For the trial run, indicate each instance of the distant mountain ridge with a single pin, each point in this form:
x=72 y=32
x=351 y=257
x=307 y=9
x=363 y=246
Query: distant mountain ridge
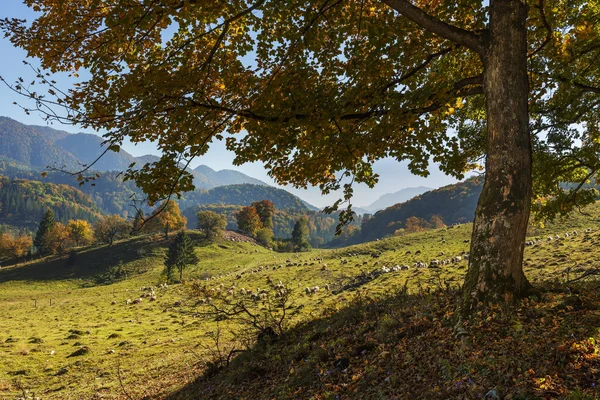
x=390 y=199
x=42 y=147
x=225 y=177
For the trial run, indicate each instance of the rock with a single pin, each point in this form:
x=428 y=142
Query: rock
x=62 y=371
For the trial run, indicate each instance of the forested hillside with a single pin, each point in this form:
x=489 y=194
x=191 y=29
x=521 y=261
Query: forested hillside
x=23 y=203
x=29 y=146
x=454 y=204
x=245 y=194
x=87 y=148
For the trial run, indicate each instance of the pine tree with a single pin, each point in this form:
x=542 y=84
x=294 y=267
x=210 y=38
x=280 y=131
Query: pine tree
x=180 y=254
x=46 y=224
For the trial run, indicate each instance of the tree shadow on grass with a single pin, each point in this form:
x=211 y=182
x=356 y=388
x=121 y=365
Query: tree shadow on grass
x=86 y=263
x=92 y=262
x=403 y=347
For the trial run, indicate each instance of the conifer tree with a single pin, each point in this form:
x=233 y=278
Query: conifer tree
x=300 y=235
x=46 y=224
x=180 y=254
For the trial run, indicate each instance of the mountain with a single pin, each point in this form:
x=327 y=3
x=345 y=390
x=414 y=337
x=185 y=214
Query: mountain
x=31 y=146
x=147 y=159
x=453 y=203
x=388 y=200
x=42 y=146
x=211 y=178
x=87 y=148
x=245 y=194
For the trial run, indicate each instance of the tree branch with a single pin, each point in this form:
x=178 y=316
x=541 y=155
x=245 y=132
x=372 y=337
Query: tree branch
x=440 y=28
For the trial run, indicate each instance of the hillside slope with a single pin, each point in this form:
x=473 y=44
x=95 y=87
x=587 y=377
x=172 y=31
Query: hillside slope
x=33 y=147
x=245 y=194
x=87 y=148
x=23 y=203
x=453 y=203
x=373 y=335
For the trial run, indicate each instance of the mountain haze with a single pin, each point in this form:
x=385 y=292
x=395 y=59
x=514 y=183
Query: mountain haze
x=389 y=199
x=41 y=146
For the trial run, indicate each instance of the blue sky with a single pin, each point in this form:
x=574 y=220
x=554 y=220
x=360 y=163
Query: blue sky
x=394 y=175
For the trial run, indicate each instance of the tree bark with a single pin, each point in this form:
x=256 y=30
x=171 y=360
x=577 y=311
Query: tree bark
x=495 y=272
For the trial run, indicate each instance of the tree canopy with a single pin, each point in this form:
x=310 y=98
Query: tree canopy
x=319 y=90
x=211 y=223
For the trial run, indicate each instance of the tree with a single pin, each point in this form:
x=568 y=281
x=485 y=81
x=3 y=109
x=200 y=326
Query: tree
x=80 y=232
x=414 y=224
x=264 y=236
x=340 y=84
x=211 y=223
x=248 y=220
x=436 y=222
x=300 y=235
x=46 y=224
x=57 y=239
x=167 y=218
x=15 y=247
x=265 y=210
x=111 y=228
x=138 y=222
x=180 y=254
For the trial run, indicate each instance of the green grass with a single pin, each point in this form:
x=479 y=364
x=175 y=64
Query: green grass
x=158 y=346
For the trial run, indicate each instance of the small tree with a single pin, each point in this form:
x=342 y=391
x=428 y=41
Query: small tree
x=180 y=254
x=211 y=223
x=436 y=222
x=415 y=224
x=137 y=223
x=300 y=235
x=14 y=246
x=248 y=220
x=57 y=239
x=264 y=236
x=46 y=224
x=111 y=228
x=167 y=218
x=81 y=232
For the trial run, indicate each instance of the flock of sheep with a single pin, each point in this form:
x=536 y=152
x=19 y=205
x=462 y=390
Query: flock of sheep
x=280 y=289
x=556 y=237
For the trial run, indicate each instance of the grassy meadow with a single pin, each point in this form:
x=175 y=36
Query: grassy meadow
x=66 y=331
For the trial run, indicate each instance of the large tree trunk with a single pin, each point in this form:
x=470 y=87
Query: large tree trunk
x=495 y=272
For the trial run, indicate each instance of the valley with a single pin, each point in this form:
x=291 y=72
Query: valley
x=155 y=348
